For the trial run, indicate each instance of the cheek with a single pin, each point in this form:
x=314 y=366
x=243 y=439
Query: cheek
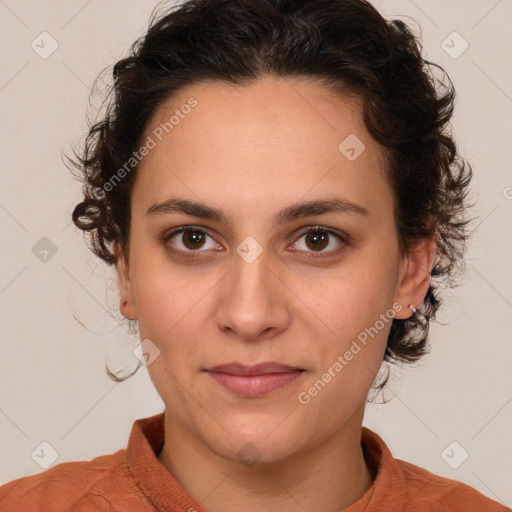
x=170 y=314
x=356 y=304
x=353 y=297
x=349 y=360
x=173 y=305
x=162 y=292
x=167 y=310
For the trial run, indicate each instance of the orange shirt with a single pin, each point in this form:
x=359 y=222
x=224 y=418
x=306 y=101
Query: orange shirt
x=133 y=480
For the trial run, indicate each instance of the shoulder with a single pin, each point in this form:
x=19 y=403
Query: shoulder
x=76 y=486
x=442 y=494
x=404 y=487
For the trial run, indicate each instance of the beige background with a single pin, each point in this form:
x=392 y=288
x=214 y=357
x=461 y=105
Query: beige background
x=53 y=386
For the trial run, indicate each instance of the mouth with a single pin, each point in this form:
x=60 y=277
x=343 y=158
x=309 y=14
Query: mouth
x=254 y=381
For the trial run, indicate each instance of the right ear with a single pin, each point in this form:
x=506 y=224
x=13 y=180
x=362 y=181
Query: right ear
x=126 y=302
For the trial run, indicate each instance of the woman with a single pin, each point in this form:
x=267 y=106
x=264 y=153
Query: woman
x=275 y=185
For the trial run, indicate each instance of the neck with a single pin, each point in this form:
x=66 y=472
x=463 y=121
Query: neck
x=329 y=477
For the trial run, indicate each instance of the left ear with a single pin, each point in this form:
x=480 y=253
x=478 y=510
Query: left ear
x=415 y=275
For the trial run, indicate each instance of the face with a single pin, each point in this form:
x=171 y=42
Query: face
x=256 y=275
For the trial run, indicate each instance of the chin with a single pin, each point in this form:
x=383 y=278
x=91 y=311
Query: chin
x=254 y=442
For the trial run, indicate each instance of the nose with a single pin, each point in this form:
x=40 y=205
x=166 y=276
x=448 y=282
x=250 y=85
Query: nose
x=254 y=304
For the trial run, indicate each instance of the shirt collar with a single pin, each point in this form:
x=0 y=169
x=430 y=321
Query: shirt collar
x=166 y=493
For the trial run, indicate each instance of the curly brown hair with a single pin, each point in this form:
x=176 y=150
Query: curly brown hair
x=348 y=46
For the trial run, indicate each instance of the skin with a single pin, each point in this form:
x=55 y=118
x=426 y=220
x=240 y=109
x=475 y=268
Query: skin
x=252 y=151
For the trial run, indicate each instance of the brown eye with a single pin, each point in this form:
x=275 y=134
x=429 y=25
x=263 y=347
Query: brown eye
x=320 y=240
x=193 y=239
x=317 y=240
x=190 y=240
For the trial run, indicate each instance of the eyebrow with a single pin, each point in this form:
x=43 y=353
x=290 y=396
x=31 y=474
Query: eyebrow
x=288 y=214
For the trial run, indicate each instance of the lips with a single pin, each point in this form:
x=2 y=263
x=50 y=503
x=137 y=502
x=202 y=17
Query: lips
x=256 y=380
x=257 y=369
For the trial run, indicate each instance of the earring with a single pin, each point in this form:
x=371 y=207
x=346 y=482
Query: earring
x=412 y=308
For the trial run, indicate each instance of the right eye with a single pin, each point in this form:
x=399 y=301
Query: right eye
x=189 y=239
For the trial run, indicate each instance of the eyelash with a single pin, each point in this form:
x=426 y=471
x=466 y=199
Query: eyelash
x=344 y=239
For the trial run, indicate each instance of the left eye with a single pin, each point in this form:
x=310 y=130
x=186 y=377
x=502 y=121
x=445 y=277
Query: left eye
x=319 y=239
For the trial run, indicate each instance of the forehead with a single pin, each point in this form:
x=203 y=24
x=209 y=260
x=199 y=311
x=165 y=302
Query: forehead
x=266 y=108
x=270 y=140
